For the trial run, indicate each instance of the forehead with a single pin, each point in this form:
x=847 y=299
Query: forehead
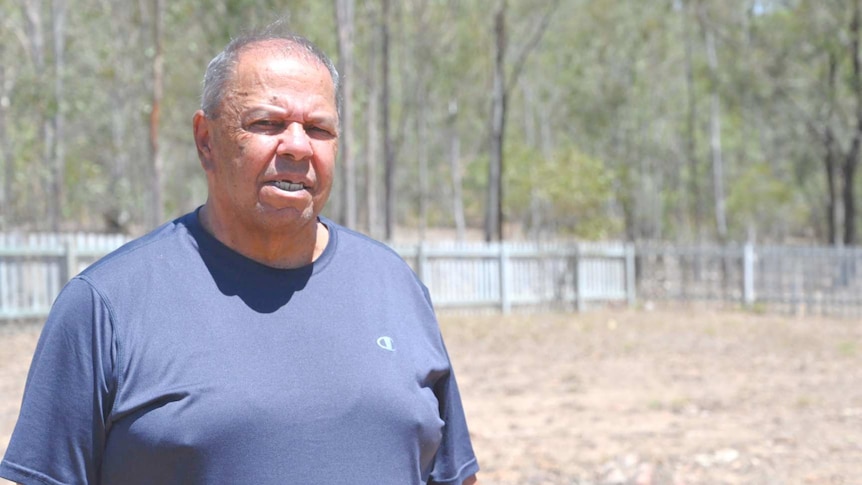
x=273 y=69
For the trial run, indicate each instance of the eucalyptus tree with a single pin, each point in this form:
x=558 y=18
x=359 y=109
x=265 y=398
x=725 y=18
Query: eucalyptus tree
x=818 y=79
x=587 y=117
x=8 y=77
x=157 y=209
x=345 y=14
x=503 y=81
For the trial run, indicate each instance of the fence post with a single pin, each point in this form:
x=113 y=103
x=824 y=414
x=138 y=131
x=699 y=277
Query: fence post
x=505 y=297
x=748 y=295
x=71 y=259
x=579 y=282
x=631 y=286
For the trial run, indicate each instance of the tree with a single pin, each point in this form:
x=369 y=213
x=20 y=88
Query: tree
x=851 y=159
x=715 y=146
x=35 y=38
x=829 y=67
x=58 y=150
x=691 y=152
x=157 y=210
x=388 y=149
x=7 y=81
x=373 y=114
x=756 y=101
x=494 y=202
x=501 y=85
x=455 y=163
x=344 y=13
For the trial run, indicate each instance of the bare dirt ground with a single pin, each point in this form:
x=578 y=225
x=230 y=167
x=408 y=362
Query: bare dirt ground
x=635 y=397
x=682 y=397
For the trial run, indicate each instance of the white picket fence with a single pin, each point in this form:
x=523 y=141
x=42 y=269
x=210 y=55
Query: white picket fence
x=518 y=275
x=523 y=276
x=34 y=267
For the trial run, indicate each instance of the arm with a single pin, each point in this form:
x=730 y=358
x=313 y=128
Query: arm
x=60 y=431
x=471 y=480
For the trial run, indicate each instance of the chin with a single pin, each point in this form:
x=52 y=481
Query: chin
x=288 y=217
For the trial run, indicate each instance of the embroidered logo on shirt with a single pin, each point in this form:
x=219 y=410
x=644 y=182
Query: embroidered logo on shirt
x=386 y=343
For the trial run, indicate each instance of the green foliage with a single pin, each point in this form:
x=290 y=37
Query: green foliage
x=756 y=196
x=572 y=189
x=606 y=135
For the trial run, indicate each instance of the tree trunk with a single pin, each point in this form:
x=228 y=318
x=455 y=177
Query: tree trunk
x=58 y=122
x=36 y=47
x=494 y=215
x=388 y=154
x=833 y=217
x=750 y=109
x=532 y=221
x=344 y=21
x=455 y=162
x=715 y=139
x=849 y=196
x=114 y=211
x=421 y=76
x=422 y=158
x=494 y=207
x=691 y=129
x=158 y=83
x=6 y=167
x=372 y=142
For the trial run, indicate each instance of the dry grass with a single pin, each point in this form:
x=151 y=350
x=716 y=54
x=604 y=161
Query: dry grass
x=682 y=397
x=635 y=397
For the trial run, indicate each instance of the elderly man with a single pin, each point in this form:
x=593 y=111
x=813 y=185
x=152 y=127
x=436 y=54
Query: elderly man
x=251 y=341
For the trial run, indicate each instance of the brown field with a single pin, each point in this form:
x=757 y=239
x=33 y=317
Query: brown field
x=636 y=397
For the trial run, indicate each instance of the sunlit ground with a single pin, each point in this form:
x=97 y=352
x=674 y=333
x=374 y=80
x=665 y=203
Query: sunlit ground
x=664 y=397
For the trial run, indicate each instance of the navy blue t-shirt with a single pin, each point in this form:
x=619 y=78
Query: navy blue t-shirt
x=176 y=360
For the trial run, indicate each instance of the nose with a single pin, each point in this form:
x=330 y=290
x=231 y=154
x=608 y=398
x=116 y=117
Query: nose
x=295 y=142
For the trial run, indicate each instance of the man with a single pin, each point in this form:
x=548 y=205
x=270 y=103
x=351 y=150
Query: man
x=251 y=341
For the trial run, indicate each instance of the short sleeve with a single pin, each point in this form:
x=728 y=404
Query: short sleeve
x=455 y=460
x=61 y=430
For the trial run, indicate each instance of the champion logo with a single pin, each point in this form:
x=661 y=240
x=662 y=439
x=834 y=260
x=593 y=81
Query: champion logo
x=386 y=343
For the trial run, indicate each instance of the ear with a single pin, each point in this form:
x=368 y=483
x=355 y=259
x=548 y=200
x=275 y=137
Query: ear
x=203 y=139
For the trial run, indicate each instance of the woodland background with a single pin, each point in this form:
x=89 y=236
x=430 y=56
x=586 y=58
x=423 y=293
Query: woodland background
x=687 y=120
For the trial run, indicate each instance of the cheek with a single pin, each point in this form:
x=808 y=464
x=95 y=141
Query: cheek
x=326 y=161
x=252 y=154
x=244 y=143
x=325 y=176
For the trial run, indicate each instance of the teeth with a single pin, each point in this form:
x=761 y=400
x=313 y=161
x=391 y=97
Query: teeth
x=288 y=186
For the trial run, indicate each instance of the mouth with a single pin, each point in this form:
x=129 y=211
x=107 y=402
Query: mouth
x=287 y=185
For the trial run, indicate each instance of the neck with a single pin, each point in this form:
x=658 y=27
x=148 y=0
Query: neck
x=285 y=249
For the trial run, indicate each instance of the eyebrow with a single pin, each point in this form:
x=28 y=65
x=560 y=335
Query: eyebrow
x=267 y=109
x=319 y=116
x=322 y=118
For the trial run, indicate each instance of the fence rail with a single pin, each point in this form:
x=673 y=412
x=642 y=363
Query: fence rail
x=804 y=280
x=509 y=276
x=34 y=267
x=523 y=275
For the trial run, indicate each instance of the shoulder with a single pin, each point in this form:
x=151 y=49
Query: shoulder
x=367 y=259
x=356 y=243
x=144 y=253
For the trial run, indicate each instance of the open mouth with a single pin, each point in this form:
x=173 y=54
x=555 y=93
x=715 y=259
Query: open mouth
x=287 y=185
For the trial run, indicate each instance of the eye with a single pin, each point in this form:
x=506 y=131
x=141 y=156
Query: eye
x=317 y=131
x=265 y=125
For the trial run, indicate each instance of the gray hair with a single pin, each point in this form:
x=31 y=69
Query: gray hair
x=223 y=66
